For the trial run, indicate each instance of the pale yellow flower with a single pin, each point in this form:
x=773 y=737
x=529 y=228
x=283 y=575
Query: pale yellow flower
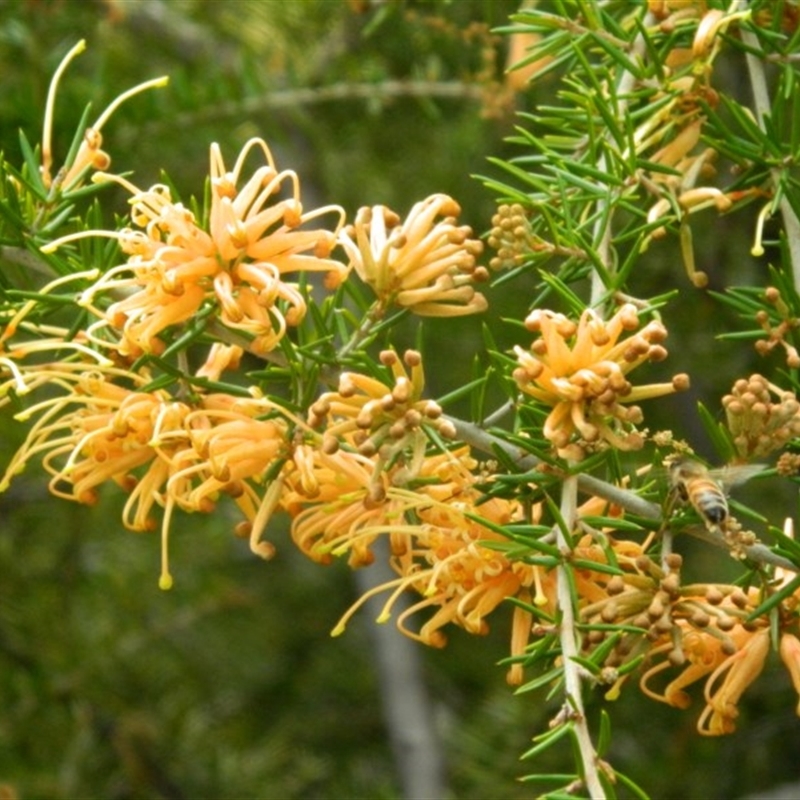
x=425 y=263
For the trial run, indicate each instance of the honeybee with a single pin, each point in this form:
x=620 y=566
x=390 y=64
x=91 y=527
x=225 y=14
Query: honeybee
x=704 y=489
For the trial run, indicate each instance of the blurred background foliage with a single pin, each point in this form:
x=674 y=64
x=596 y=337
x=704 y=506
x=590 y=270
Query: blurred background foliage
x=229 y=685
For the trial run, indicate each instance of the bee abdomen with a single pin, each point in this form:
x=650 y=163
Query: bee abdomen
x=712 y=506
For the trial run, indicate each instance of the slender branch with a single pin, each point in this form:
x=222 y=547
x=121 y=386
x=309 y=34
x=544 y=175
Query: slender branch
x=293 y=98
x=603 y=228
x=488 y=443
x=568 y=636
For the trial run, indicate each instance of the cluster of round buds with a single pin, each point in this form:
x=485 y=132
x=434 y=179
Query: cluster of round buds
x=759 y=422
x=776 y=334
x=514 y=240
x=580 y=371
x=642 y=598
x=510 y=236
x=372 y=416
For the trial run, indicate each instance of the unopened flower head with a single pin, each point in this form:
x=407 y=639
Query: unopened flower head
x=581 y=371
x=425 y=263
x=379 y=417
x=780 y=332
x=761 y=417
x=176 y=266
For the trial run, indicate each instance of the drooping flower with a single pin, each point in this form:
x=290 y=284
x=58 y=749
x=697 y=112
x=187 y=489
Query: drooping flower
x=581 y=371
x=425 y=263
x=336 y=499
x=728 y=682
x=439 y=551
x=163 y=452
x=790 y=655
x=445 y=539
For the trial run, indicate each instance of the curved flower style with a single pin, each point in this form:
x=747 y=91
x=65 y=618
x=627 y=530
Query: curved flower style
x=445 y=539
x=165 y=453
x=581 y=372
x=237 y=261
x=422 y=264
x=89 y=155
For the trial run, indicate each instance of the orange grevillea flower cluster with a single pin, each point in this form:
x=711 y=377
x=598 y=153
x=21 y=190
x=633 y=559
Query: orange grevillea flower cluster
x=425 y=263
x=374 y=436
x=256 y=233
x=444 y=541
x=372 y=476
x=581 y=371
x=704 y=632
x=163 y=452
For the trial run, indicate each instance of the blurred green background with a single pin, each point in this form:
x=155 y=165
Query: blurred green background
x=230 y=685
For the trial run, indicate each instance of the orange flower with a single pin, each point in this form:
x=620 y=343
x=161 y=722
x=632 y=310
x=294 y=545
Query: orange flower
x=422 y=264
x=704 y=631
x=164 y=453
x=581 y=372
x=440 y=549
x=790 y=655
x=737 y=672
x=237 y=262
x=336 y=499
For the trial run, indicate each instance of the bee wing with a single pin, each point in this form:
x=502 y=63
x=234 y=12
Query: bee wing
x=736 y=474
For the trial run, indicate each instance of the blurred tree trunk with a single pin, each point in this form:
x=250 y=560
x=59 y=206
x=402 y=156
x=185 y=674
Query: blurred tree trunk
x=407 y=707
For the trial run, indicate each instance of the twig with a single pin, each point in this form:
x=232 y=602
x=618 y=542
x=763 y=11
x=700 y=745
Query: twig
x=488 y=443
x=568 y=636
x=294 y=98
x=602 y=228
